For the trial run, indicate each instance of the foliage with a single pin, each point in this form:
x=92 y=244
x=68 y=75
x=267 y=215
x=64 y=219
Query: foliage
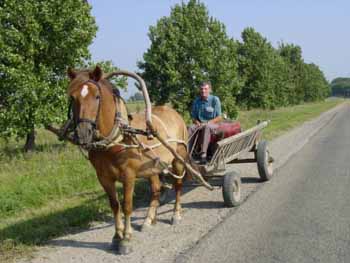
x=38 y=39
x=292 y=55
x=341 y=87
x=107 y=66
x=189 y=47
x=315 y=85
x=276 y=77
x=256 y=60
x=138 y=96
x=41 y=199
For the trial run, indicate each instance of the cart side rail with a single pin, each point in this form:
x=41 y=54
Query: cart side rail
x=230 y=148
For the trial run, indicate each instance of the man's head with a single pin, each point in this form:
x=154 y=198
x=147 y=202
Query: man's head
x=205 y=89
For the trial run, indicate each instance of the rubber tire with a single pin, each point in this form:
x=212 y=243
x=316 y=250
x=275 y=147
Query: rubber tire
x=231 y=194
x=262 y=158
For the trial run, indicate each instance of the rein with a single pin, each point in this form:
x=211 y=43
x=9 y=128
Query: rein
x=68 y=130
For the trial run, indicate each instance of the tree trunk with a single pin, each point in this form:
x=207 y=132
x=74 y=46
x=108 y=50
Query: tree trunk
x=30 y=141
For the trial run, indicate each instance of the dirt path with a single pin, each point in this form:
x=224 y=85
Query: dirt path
x=202 y=211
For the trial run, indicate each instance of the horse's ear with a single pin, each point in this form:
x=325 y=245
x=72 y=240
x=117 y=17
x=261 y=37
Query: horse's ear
x=96 y=75
x=71 y=73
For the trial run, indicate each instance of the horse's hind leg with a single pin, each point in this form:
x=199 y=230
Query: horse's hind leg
x=109 y=187
x=152 y=211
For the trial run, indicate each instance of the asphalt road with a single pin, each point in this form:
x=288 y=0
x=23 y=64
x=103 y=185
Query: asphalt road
x=301 y=215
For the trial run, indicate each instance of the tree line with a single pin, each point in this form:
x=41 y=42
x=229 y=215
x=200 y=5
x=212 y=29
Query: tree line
x=341 y=87
x=189 y=46
x=39 y=39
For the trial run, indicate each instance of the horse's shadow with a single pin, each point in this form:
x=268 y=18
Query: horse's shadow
x=104 y=246
x=39 y=230
x=26 y=232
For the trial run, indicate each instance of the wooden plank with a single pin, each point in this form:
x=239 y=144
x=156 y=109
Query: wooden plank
x=258 y=127
x=230 y=148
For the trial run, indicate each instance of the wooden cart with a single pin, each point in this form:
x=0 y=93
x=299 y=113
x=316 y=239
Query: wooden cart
x=235 y=150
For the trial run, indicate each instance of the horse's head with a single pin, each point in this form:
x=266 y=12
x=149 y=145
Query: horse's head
x=96 y=107
x=85 y=93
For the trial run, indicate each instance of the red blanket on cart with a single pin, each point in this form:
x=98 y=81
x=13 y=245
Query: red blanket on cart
x=226 y=129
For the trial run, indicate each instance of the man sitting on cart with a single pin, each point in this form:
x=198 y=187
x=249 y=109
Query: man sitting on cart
x=206 y=114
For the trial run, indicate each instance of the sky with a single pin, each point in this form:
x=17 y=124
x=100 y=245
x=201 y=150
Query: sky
x=320 y=27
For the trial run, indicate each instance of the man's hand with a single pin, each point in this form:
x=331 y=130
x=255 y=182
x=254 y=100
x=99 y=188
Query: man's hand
x=215 y=120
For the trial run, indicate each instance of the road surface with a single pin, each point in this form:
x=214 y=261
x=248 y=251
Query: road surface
x=302 y=215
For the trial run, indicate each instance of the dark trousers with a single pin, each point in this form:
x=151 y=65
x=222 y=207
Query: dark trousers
x=205 y=132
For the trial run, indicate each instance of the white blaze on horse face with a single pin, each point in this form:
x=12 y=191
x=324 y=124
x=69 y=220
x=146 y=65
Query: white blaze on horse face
x=84 y=91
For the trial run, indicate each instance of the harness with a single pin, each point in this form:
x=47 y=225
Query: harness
x=100 y=142
x=121 y=129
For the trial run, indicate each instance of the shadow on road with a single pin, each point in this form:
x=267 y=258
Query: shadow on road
x=105 y=246
x=204 y=205
x=250 y=180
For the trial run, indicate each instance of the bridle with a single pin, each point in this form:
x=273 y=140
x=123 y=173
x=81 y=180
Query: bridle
x=79 y=120
x=99 y=141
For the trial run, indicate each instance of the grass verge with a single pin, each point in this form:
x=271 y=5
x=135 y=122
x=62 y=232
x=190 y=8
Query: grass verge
x=54 y=190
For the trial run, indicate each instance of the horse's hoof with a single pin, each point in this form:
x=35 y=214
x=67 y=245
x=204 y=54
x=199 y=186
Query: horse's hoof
x=124 y=248
x=175 y=221
x=115 y=243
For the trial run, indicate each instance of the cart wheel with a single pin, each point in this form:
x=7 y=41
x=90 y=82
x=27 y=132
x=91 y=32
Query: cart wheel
x=231 y=189
x=264 y=161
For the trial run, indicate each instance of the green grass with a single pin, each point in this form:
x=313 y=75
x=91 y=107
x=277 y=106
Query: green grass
x=135 y=106
x=284 y=119
x=54 y=190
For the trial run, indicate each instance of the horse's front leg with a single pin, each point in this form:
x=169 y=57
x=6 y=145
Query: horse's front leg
x=128 y=187
x=109 y=186
x=152 y=211
x=179 y=169
x=177 y=208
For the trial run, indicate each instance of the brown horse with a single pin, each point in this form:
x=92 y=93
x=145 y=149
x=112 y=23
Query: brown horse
x=95 y=108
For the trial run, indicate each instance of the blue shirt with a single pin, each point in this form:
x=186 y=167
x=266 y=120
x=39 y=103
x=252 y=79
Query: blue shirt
x=206 y=110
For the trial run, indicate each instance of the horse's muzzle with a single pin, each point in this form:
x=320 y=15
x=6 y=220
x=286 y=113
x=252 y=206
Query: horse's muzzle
x=84 y=133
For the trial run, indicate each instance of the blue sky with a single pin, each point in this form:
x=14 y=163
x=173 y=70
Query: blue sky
x=320 y=27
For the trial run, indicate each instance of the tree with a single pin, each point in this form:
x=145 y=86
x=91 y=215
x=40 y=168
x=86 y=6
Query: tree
x=138 y=96
x=256 y=67
x=107 y=66
x=308 y=81
x=292 y=54
x=189 y=47
x=316 y=86
x=341 y=87
x=39 y=39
